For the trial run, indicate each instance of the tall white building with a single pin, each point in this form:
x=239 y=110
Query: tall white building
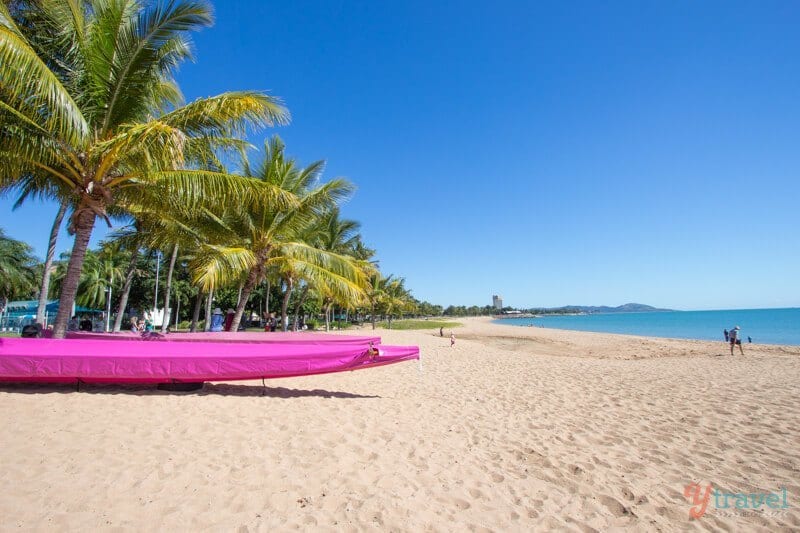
x=497 y=302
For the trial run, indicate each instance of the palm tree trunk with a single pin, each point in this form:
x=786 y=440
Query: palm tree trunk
x=327 y=317
x=165 y=322
x=84 y=224
x=244 y=295
x=285 y=304
x=126 y=289
x=44 y=290
x=266 y=302
x=209 y=302
x=198 y=303
x=372 y=315
x=299 y=306
x=177 y=312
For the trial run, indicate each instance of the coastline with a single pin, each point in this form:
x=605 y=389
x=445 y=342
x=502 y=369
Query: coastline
x=776 y=327
x=511 y=429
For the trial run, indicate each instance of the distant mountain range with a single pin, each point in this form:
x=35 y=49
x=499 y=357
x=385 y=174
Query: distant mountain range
x=626 y=308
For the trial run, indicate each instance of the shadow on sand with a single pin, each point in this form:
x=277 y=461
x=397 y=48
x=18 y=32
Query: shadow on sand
x=208 y=389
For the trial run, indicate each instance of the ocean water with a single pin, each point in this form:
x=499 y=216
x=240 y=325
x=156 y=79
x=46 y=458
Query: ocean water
x=764 y=326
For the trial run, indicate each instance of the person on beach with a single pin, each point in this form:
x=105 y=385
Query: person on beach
x=725 y=332
x=216 y=320
x=441 y=332
x=229 y=314
x=452 y=339
x=735 y=340
x=134 y=324
x=749 y=340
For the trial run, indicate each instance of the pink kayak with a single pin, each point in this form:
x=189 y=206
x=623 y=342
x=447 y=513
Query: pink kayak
x=133 y=361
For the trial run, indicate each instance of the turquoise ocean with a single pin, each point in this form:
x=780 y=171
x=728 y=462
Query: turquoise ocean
x=764 y=326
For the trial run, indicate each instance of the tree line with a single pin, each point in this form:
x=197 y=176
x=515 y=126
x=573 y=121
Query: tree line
x=91 y=116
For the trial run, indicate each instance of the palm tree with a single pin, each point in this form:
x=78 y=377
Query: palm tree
x=128 y=238
x=336 y=235
x=395 y=298
x=262 y=239
x=101 y=269
x=388 y=295
x=103 y=117
x=17 y=269
x=37 y=186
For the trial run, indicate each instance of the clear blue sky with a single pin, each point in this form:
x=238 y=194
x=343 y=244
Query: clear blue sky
x=553 y=153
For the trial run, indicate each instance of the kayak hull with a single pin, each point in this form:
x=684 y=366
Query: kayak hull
x=134 y=361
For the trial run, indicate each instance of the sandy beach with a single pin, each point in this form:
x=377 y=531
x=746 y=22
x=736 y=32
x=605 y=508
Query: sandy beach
x=513 y=429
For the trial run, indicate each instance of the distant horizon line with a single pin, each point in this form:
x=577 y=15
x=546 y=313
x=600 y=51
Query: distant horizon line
x=671 y=309
x=614 y=306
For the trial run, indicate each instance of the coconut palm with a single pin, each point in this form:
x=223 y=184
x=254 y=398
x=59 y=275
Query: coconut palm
x=336 y=235
x=38 y=187
x=129 y=239
x=89 y=100
x=260 y=240
x=388 y=296
x=393 y=297
x=100 y=271
x=18 y=268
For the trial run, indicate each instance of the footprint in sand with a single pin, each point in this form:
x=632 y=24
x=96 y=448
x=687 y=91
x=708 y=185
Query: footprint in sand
x=462 y=504
x=616 y=507
x=477 y=494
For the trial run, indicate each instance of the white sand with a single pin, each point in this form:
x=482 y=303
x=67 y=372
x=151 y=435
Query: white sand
x=512 y=429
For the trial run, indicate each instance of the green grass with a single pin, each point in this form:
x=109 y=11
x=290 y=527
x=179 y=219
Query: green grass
x=9 y=334
x=419 y=324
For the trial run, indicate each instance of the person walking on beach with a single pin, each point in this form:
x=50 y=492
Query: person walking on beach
x=441 y=331
x=452 y=339
x=735 y=340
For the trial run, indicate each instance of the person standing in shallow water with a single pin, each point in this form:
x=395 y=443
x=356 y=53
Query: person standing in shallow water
x=735 y=340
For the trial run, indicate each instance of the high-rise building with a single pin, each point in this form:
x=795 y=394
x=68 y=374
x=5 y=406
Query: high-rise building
x=497 y=302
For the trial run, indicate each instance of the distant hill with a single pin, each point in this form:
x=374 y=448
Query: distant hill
x=626 y=308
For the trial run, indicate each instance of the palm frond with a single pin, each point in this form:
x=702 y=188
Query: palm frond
x=45 y=102
x=214 y=266
x=149 y=45
x=228 y=114
x=338 y=274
